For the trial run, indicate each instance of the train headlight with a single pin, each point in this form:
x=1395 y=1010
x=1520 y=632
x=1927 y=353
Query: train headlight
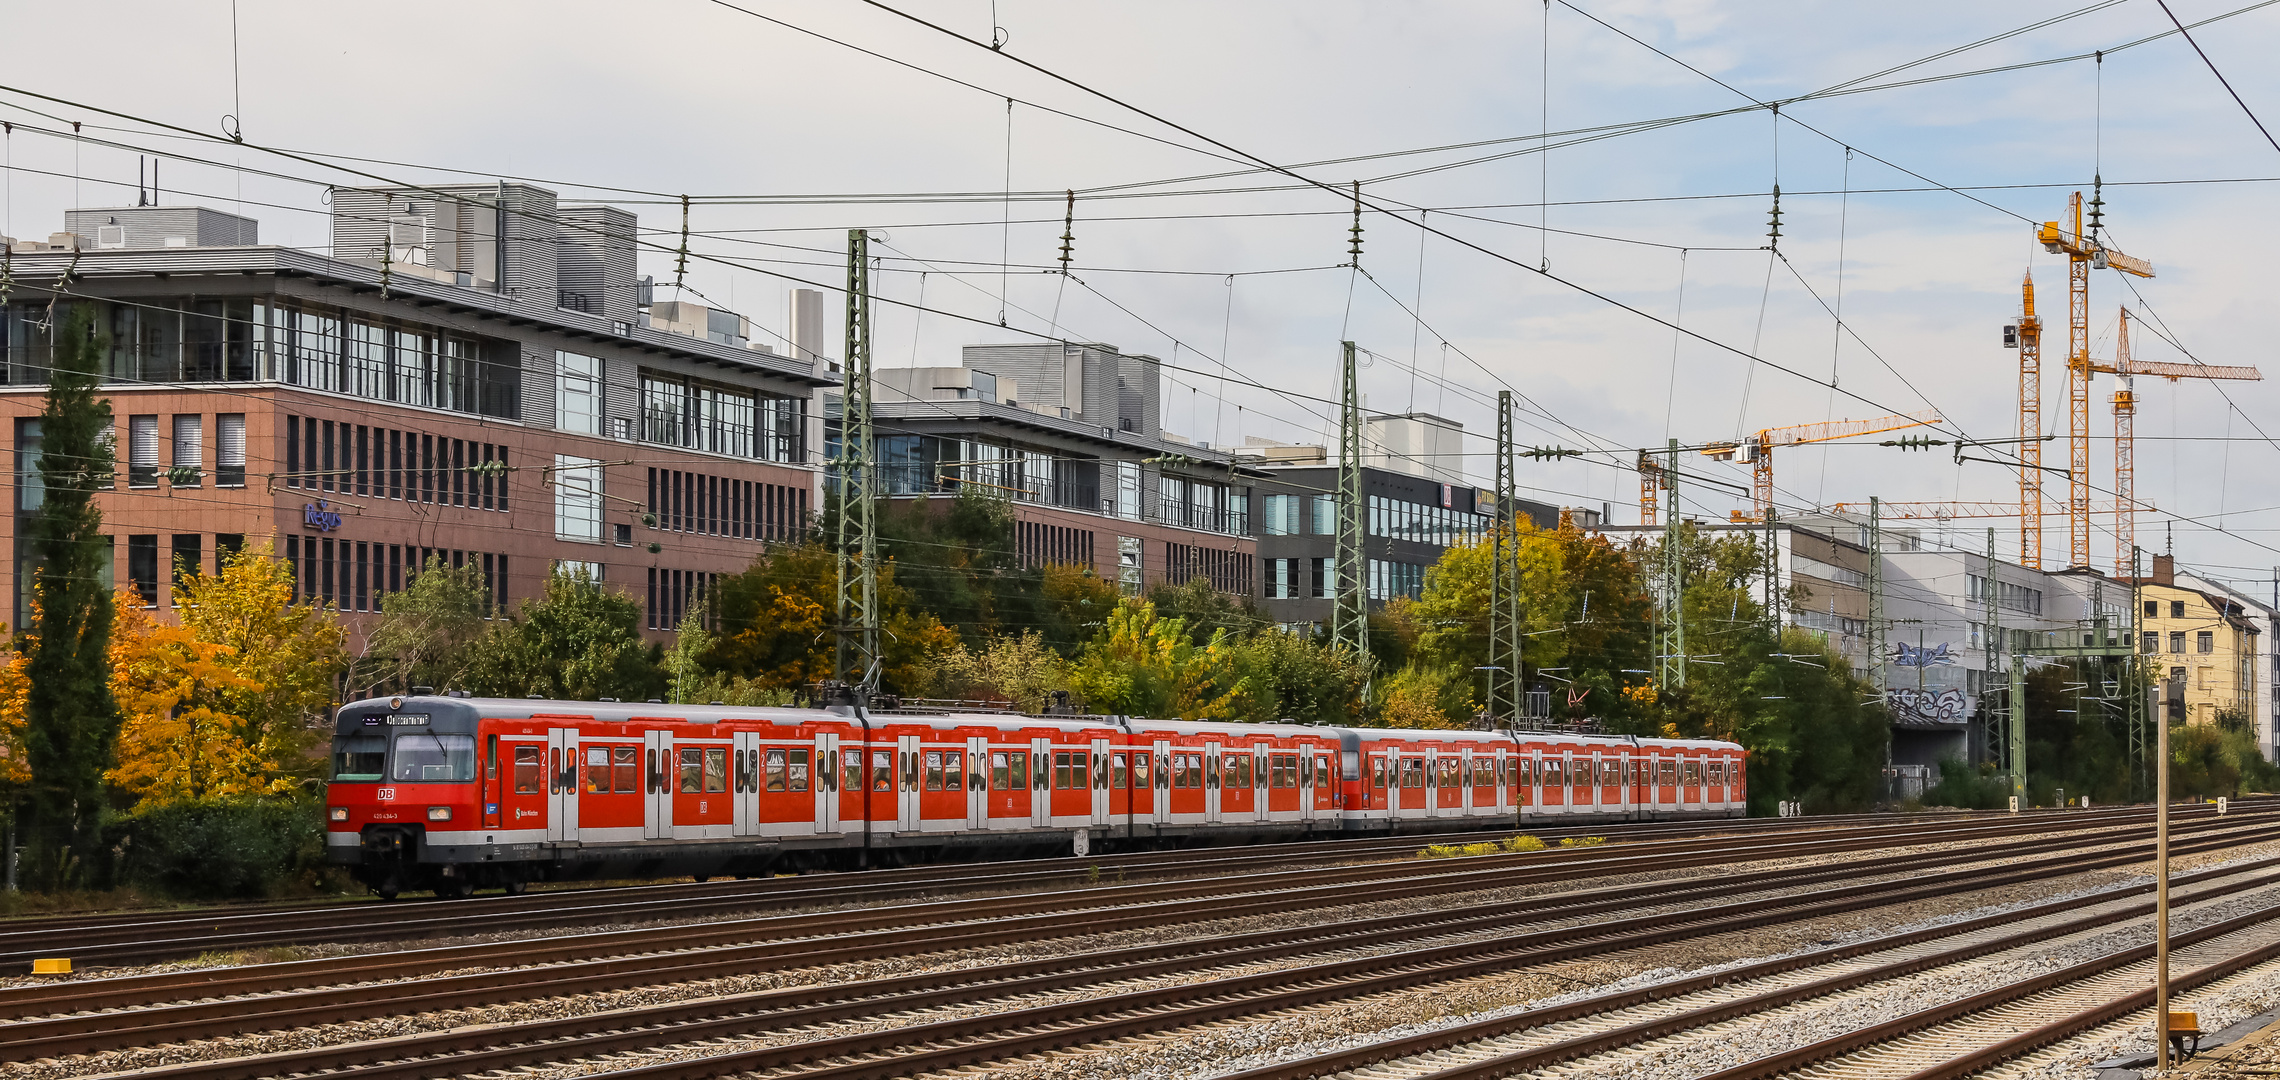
x=338 y=813
x=439 y=813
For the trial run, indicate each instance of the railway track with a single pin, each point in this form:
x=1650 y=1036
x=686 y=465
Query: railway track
x=1066 y=885
x=1435 y=947
x=19 y=936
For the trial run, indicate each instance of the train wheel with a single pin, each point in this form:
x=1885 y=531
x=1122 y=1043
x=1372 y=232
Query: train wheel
x=388 y=888
x=454 y=889
x=516 y=887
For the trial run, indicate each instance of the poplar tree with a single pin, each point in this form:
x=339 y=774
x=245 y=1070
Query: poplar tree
x=71 y=721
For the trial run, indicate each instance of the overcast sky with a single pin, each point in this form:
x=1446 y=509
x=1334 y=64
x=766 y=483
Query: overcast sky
x=642 y=103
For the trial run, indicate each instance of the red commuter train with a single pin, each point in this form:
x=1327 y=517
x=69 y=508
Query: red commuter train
x=454 y=793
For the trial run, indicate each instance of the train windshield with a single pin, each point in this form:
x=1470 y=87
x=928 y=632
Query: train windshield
x=421 y=756
x=360 y=757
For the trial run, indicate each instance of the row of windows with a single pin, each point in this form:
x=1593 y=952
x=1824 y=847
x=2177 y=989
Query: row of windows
x=2204 y=641
x=186 y=461
x=677 y=411
x=724 y=506
x=1228 y=571
x=1390 y=579
x=1035 y=544
x=354 y=575
x=1301 y=579
x=380 y=463
x=188 y=558
x=675 y=593
x=1411 y=772
x=2010 y=597
x=384 y=360
x=1422 y=523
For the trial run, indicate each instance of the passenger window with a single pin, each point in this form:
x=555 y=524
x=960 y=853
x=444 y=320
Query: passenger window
x=1377 y=770
x=1179 y=772
x=774 y=771
x=998 y=777
x=693 y=771
x=716 y=770
x=933 y=770
x=1118 y=777
x=530 y=770
x=799 y=775
x=597 y=770
x=1140 y=770
x=1243 y=771
x=851 y=774
x=1079 y=768
x=625 y=763
x=656 y=776
x=1016 y=770
x=953 y=771
x=882 y=771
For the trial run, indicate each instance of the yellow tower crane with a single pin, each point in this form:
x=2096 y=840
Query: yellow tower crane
x=1757 y=450
x=2084 y=252
x=2125 y=440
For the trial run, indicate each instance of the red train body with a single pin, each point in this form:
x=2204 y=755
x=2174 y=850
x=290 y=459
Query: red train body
x=455 y=794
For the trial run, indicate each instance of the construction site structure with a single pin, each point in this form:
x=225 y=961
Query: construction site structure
x=1651 y=483
x=1757 y=452
x=2125 y=439
x=2028 y=338
x=2084 y=252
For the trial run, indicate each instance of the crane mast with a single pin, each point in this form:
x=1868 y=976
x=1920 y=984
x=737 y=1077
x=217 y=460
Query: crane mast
x=2084 y=253
x=2030 y=429
x=2125 y=453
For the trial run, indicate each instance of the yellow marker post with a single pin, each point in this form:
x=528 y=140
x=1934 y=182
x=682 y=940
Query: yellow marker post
x=59 y=965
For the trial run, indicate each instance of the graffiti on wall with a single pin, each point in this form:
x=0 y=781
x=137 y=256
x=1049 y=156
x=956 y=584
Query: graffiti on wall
x=1922 y=656
x=1948 y=706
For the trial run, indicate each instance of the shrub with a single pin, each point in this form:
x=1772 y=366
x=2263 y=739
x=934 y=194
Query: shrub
x=1484 y=847
x=221 y=848
x=1583 y=841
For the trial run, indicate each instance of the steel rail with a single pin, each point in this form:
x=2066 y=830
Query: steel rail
x=83 y=1032
x=1030 y=1030
x=919 y=921
x=1330 y=882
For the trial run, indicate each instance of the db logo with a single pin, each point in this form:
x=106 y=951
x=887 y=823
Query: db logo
x=387 y=794
x=318 y=516
x=521 y=814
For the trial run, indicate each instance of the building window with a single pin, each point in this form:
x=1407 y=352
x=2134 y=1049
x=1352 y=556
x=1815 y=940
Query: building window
x=2177 y=642
x=1128 y=570
x=189 y=449
x=31 y=488
x=1325 y=514
x=2205 y=641
x=227 y=546
x=578 y=393
x=2152 y=642
x=577 y=499
x=229 y=450
x=1322 y=577
x=142 y=451
x=2177 y=609
x=2153 y=609
x=142 y=567
x=189 y=561
x=1127 y=490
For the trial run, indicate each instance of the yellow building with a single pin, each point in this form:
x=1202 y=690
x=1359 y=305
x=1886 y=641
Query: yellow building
x=2202 y=648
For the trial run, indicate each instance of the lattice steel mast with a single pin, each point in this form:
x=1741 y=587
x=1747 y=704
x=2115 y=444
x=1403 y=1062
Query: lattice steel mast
x=1504 y=640
x=855 y=660
x=1350 y=624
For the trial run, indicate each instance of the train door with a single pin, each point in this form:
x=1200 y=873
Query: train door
x=906 y=783
x=1040 y=783
x=657 y=785
x=1503 y=767
x=562 y=787
x=744 y=777
x=849 y=790
x=825 y=782
x=977 y=782
x=1308 y=776
x=1163 y=781
x=1099 y=779
x=1211 y=790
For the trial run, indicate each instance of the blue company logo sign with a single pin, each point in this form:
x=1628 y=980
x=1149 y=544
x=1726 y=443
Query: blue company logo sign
x=318 y=516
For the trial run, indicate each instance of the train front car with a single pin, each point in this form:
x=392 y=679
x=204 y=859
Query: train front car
x=404 y=808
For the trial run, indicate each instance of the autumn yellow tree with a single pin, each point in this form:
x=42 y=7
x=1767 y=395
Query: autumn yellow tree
x=1146 y=666
x=287 y=655
x=176 y=744
x=15 y=693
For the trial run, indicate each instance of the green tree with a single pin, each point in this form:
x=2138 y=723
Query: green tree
x=426 y=634
x=1298 y=677
x=1141 y=665
x=579 y=642
x=775 y=625
x=71 y=721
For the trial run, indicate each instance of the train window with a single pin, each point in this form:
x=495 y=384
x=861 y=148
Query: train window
x=1016 y=770
x=998 y=776
x=693 y=769
x=882 y=771
x=530 y=765
x=436 y=758
x=656 y=775
x=774 y=772
x=953 y=772
x=1061 y=770
x=1243 y=771
x=1226 y=773
x=625 y=763
x=1666 y=772
x=597 y=770
x=1693 y=772
x=1180 y=771
x=1351 y=763
x=851 y=770
x=1140 y=770
x=1412 y=772
x=716 y=770
x=1377 y=769
x=799 y=771
x=1555 y=772
x=1451 y=772
x=1119 y=775
x=1079 y=766
x=362 y=756
x=934 y=770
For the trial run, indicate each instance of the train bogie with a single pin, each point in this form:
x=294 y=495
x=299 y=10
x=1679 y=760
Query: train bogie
x=455 y=794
